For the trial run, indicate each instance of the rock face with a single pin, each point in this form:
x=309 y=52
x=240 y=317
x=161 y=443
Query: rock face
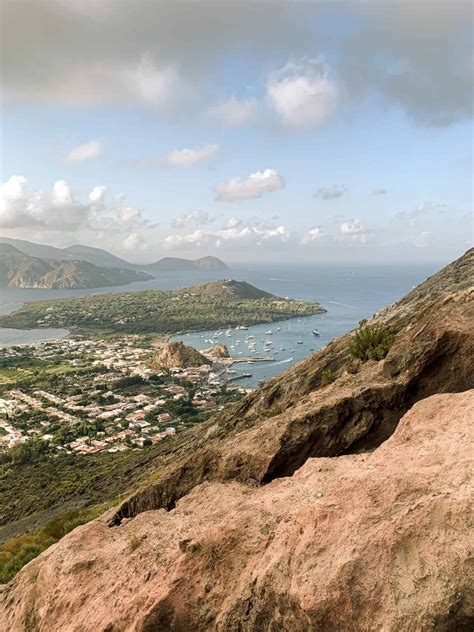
x=376 y=541
x=218 y=352
x=178 y=355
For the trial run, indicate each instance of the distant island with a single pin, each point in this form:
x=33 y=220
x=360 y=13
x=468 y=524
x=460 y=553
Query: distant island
x=21 y=270
x=175 y=264
x=103 y=258
x=218 y=304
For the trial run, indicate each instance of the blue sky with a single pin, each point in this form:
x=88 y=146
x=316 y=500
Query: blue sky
x=354 y=120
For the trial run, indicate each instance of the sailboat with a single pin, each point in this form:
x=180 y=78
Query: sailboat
x=316 y=332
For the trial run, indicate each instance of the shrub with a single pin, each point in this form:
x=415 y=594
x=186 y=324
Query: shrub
x=134 y=542
x=371 y=342
x=213 y=548
x=328 y=377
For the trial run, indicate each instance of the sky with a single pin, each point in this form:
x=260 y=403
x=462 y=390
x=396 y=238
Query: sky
x=253 y=131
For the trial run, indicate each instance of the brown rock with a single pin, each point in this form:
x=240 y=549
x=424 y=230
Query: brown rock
x=217 y=352
x=178 y=355
x=361 y=542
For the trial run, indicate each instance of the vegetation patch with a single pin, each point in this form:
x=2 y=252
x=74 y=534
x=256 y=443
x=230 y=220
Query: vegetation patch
x=218 y=304
x=328 y=377
x=371 y=342
x=212 y=549
x=17 y=552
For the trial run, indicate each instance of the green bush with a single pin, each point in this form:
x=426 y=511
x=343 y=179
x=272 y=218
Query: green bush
x=371 y=342
x=328 y=377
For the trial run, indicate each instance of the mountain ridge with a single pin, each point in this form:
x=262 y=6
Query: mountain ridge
x=20 y=270
x=101 y=257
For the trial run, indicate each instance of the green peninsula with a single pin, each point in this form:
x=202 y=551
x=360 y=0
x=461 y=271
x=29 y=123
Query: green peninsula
x=217 y=304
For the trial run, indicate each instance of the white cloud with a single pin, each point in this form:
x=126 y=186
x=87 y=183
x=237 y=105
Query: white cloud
x=60 y=210
x=331 y=192
x=190 y=157
x=354 y=230
x=86 y=151
x=158 y=87
x=311 y=235
x=353 y=227
x=254 y=186
x=193 y=218
x=421 y=210
x=236 y=232
x=302 y=93
x=135 y=242
x=235 y=112
x=97 y=195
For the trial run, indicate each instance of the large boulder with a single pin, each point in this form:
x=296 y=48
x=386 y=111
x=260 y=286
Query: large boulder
x=375 y=541
x=218 y=352
x=178 y=355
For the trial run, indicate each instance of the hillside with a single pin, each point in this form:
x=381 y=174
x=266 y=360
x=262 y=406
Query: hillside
x=23 y=271
x=101 y=257
x=290 y=509
x=216 y=304
x=365 y=542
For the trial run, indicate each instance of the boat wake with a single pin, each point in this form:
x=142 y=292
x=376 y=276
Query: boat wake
x=343 y=304
x=282 y=362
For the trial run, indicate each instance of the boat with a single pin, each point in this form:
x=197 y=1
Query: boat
x=240 y=376
x=316 y=332
x=299 y=342
x=269 y=333
x=278 y=328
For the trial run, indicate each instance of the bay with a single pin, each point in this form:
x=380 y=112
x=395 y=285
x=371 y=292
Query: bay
x=349 y=292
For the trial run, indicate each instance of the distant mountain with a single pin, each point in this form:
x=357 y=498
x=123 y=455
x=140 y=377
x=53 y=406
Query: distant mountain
x=36 y=250
x=176 y=264
x=97 y=256
x=100 y=257
x=18 y=269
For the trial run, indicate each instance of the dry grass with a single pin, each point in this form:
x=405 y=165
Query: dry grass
x=134 y=542
x=213 y=548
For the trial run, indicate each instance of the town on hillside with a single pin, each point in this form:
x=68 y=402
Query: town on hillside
x=87 y=396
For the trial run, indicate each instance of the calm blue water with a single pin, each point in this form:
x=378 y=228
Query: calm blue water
x=349 y=293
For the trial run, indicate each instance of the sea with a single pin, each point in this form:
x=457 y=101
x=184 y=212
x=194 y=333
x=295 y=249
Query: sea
x=349 y=293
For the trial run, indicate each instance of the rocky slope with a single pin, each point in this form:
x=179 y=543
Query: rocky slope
x=370 y=540
x=374 y=541
x=178 y=355
x=298 y=415
x=18 y=269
